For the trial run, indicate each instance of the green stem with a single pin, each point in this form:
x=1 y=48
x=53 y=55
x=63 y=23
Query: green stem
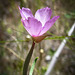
x=26 y=63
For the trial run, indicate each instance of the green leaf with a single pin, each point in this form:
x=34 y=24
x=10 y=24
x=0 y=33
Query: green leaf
x=32 y=67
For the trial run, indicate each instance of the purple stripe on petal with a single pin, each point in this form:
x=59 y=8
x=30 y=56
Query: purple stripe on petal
x=49 y=24
x=43 y=15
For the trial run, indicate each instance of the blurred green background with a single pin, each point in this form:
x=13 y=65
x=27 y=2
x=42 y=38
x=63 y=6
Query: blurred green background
x=15 y=42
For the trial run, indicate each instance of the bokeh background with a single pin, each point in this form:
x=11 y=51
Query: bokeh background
x=15 y=42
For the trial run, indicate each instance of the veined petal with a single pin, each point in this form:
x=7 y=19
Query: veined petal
x=25 y=13
x=33 y=26
x=26 y=25
x=48 y=25
x=43 y=15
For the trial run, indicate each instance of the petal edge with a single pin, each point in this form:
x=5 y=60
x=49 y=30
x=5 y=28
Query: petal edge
x=49 y=24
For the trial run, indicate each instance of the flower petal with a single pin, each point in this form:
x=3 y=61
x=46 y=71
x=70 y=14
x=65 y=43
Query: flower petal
x=25 y=12
x=33 y=26
x=26 y=26
x=48 y=25
x=43 y=15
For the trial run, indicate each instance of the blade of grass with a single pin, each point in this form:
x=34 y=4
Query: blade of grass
x=32 y=67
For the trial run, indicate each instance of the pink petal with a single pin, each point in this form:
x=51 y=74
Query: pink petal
x=43 y=15
x=49 y=24
x=33 y=26
x=25 y=12
x=26 y=26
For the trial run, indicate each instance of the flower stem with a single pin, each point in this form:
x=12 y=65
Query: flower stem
x=26 y=63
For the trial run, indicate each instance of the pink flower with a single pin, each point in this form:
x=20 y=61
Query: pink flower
x=39 y=24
